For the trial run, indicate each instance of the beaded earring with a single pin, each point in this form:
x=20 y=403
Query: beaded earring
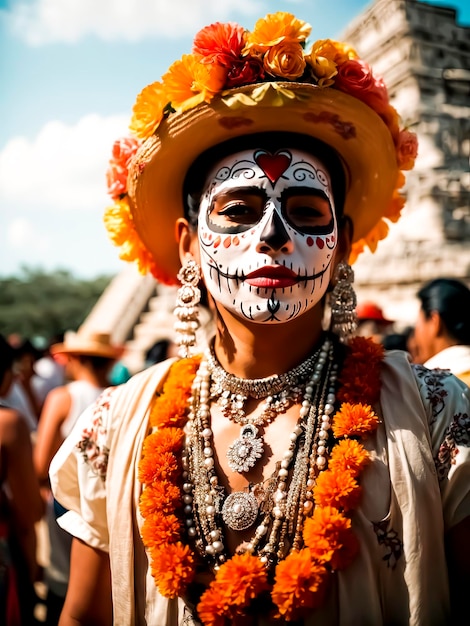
x=187 y=310
x=343 y=303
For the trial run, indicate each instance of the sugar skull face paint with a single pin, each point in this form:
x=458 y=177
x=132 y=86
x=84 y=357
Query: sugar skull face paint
x=267 y=231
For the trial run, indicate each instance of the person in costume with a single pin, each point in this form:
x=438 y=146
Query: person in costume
x=289 y=473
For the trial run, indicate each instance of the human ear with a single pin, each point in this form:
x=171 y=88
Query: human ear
x=186 y=237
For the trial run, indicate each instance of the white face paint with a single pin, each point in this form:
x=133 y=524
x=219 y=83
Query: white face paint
x=267 y=231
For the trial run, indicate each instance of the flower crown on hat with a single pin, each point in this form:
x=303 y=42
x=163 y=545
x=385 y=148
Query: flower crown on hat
x=225 y=57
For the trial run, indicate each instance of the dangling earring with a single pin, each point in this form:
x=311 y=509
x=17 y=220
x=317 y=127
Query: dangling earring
x=186 y=310
x=343 y=303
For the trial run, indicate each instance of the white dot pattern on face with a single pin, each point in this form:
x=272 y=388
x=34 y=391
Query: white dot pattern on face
x=233 y=267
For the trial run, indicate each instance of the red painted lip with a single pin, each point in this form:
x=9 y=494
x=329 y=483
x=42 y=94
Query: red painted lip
x=272 y=276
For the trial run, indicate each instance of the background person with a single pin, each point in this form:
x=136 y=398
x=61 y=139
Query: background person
x=371 y=321
x=87 y=358
x=442 y=329
x=21 y=507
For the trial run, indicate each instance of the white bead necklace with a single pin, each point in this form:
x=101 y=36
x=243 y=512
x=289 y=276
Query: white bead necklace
x=281 y=510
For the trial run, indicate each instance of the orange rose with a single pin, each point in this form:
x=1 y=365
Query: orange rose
x=407 y=149
x=274 y=29
x=355 y=78
x=285 y=60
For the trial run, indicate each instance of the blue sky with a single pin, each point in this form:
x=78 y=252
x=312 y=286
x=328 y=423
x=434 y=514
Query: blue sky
x=69 y=74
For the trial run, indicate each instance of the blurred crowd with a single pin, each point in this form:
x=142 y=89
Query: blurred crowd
x=43 y=391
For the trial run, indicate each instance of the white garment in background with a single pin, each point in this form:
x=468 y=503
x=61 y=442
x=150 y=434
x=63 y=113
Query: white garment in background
x=455 y=358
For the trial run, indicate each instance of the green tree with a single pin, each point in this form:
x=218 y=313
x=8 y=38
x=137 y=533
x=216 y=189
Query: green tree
x=37 y=303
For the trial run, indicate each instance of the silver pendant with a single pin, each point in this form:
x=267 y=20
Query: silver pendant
x=240 y=510
x=246 y=450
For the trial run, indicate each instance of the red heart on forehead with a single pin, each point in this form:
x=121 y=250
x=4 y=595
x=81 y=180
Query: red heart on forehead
x=273 y=165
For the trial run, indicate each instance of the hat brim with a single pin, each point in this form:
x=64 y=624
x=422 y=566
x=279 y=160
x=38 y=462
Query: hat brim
x=86 y=350
x=352 y=128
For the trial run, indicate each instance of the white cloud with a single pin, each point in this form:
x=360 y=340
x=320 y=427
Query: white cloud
x=21 y=233
x=63 y=168
x=45 y=21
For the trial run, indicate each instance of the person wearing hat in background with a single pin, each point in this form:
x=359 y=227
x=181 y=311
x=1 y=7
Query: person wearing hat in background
x=289 y=472
x=371 y=322
x=87 y=358
x=442 y=330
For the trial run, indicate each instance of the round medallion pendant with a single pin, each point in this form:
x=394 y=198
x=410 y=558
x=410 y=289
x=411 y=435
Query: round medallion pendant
x=246 y=450
x=240 y=510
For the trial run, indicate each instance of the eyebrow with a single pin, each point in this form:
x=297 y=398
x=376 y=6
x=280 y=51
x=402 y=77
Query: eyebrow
x=241 y=191
x=292 y=192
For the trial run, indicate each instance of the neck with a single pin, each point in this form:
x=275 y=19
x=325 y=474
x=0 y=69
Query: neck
x=250 y=350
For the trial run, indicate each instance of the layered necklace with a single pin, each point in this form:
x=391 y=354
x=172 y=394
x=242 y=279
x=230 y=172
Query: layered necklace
x=291 y=515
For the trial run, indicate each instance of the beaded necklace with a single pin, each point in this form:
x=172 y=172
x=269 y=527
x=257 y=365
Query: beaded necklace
x=303 y=531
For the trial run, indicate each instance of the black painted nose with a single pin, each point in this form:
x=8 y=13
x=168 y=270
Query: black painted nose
x=274 y=233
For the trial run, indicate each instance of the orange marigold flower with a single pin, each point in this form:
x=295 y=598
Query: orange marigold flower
x=161 y=496
x=159 y=529
x=166 y=440
x=285 y=60
x=241 y=579
x=172 y=568
x=339 y=490
x=300 y=584
x=121 y=230
x=171 y=407
x=348 y=456
x=220 y=43
x=274 y=28
x=148 y=110
x=165 y=466
x=360 y=375
x=328 y=534
x=354 y=420
x=189 y=82
x=213 y=608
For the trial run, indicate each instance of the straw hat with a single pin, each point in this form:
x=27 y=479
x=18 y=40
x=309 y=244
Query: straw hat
x=239 y=83
x=87 y=343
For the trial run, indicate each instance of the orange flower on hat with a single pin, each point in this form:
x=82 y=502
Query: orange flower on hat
x=173 y=568
x=328 y=534
x=336 y=51
x=189 y=82
x=275 y=28
x=121 y=230
x=300 y=584
x=148 y=110
x=354 y=420
x=340 y=490
x=286 y=60
x=355 y=77
x=407 y=150
x=124 y=149
x=219 y=43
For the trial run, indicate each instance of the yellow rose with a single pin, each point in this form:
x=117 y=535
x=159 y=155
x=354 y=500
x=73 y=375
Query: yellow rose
x=285 y=60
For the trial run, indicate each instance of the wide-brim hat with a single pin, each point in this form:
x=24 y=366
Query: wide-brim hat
x=87 y=343
x=353 y=129
x=325 y=92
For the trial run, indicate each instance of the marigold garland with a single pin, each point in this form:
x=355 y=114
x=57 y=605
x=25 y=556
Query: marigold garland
x=301 y=579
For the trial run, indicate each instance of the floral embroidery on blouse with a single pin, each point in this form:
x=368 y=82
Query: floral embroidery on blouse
x=436 y=394
x=458 y=434
x=92 y=444
x=391 y=542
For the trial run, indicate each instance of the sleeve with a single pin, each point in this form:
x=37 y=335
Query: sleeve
x=446 y=400
x=78 y=474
